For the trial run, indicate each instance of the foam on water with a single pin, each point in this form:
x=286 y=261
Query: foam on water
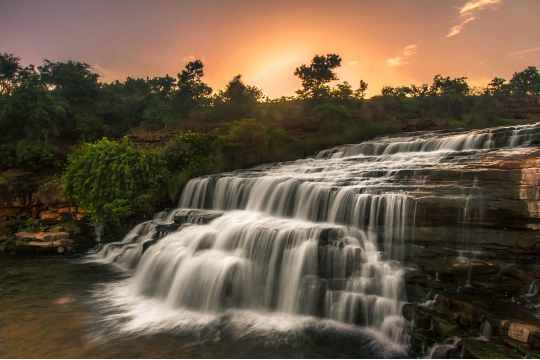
x=314 y=243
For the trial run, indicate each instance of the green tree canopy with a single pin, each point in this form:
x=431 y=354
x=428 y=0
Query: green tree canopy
x=112 y=179
x=73 y=80
x=526 y=82
x=192 y=92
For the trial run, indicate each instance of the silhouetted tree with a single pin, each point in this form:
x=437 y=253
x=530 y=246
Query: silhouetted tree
x=526 y=82
x=192 y=92
x=445 y=86
x=9 y=67
x=360 y=93
x=317 y=75
x=72 y=80
x=498 y=87
x=238 y=99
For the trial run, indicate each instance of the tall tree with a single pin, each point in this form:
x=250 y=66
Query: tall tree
x=360 y=93
x=9 y=67
x=238 y=99
x=192 y=92
x=317 y=75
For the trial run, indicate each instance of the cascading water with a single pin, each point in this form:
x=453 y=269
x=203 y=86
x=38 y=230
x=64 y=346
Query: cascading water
x=320 y=237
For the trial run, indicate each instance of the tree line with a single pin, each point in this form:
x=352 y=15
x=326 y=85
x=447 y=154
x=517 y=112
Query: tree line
x=59 y=118
x=46 y=109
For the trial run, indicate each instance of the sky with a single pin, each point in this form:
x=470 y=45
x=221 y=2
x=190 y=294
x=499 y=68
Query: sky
x=384 y=42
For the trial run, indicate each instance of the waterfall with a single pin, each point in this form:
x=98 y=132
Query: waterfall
x=322 y=237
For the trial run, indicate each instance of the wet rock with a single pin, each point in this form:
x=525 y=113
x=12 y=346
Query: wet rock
x=481 y=349
x=50 y=216
x=166 y=228
x=196 y=216
x=522 y=332
x=59 y=242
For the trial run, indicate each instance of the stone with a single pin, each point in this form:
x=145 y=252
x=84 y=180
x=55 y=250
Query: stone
x=42 y=236
x=521 y=332
x=50 y=216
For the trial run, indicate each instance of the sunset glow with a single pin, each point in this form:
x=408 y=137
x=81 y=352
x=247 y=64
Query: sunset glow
x=392 y=44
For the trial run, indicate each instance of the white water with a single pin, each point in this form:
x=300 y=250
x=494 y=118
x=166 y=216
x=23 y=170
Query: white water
x=320 y=237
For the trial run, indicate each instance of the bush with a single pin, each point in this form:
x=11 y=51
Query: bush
x=188 y=155
x=113 y=180
x=35 y=155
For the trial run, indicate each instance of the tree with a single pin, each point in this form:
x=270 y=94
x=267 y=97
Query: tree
x=31 y=111
x=237 y=100
x=343 y=92
x=317 y=75
x=398 y=91
x=498 y=87
x=420 y=91
x=73 y=80
x=9 y=67
x=446 y=86
x=163 y=86
x=526 y=82
x=112 y=179
x=192 y=92
x=360 y=93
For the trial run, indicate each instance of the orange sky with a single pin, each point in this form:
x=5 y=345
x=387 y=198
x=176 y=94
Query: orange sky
x=389 y=42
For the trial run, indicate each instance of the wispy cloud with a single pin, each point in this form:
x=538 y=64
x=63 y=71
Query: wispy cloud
x=474 y=5
x=402 y=59
x=467 y=12
x=523 y=52
x=457 y=29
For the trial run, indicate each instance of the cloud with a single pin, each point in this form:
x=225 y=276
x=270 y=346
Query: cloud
x=467 y=11
x=523 y=52
x=475 y=5
x=353 y=62
x=457 y=29
x=407 y=52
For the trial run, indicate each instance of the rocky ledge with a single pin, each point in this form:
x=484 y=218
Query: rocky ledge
x=474 y=258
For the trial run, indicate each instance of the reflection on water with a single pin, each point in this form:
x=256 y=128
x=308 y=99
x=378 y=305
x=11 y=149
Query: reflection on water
x=51 y=307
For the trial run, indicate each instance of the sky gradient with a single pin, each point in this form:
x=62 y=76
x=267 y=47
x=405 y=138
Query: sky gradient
x=392 y=42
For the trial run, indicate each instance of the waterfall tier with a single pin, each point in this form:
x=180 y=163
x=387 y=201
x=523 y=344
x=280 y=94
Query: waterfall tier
x=324 y=237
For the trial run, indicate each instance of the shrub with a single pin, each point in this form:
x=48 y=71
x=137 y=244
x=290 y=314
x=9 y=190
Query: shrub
x=35 y=155
x=190 y=154
x=113 y=180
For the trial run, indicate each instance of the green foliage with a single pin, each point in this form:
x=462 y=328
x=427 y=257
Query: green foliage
x=36 y=155
x=113 y=180
x=526 y=82
x=187 y=155
x=237 y=100
x=71 y=80
x=57 y=105
x=192 y=92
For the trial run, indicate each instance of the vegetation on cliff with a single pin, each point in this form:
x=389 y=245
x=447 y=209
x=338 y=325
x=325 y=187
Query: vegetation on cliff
x=48 y=111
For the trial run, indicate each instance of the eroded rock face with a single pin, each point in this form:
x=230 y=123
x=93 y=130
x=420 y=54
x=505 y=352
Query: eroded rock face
x=475 y=252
